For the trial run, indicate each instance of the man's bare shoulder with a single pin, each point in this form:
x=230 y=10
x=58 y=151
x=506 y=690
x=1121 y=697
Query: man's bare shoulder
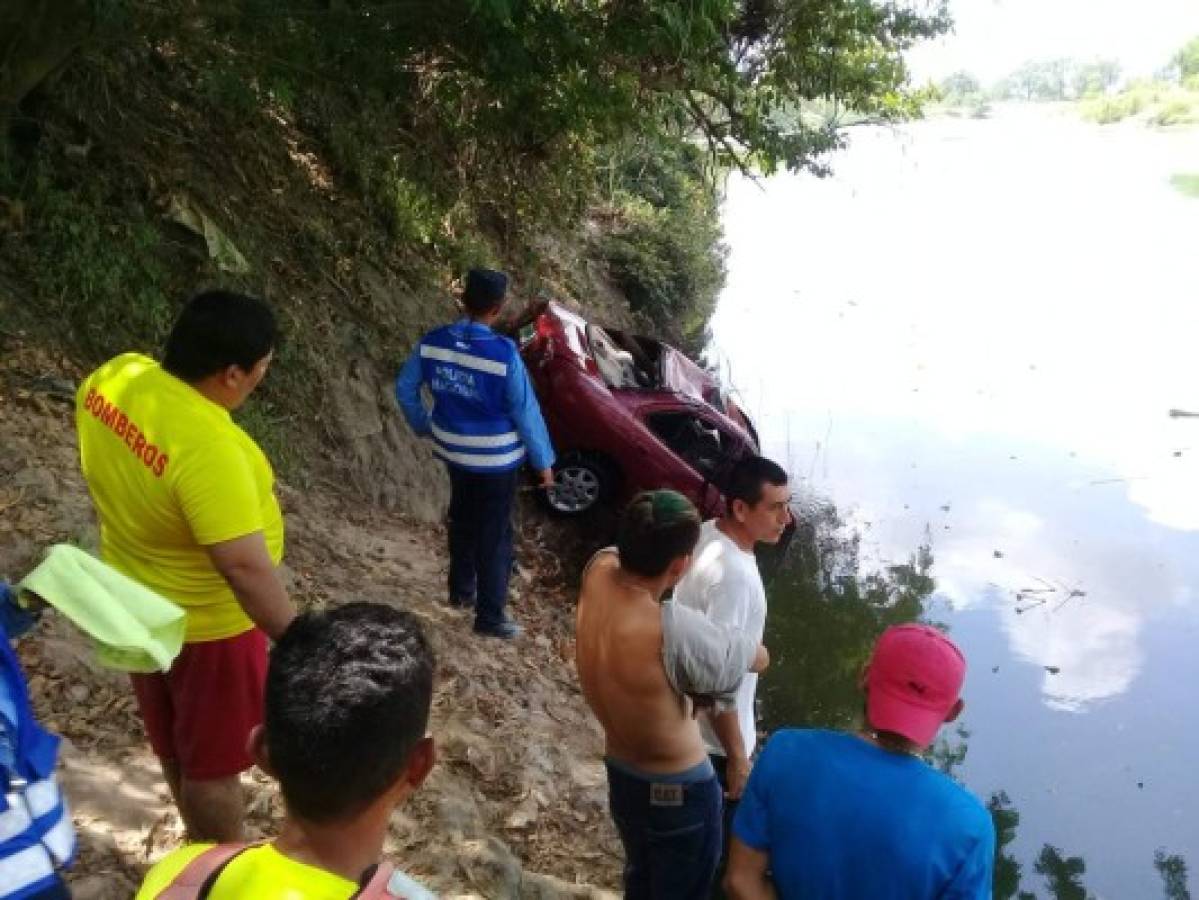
x=604 y=560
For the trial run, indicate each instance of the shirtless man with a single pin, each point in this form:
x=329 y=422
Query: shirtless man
x=662 y=788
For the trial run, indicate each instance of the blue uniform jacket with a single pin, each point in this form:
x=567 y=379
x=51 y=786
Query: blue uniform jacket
x=37 y=836
x=484 y=416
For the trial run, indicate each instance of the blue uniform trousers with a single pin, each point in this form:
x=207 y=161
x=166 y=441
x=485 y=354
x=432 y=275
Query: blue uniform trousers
x=480 y=529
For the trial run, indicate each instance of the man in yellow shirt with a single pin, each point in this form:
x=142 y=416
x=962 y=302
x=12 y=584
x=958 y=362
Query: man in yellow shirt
x=347 y=704
x=186 y=505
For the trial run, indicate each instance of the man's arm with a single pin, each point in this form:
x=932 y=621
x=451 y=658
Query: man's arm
x=746 y=877
x=728 y=731
x=408 y=394
x=727 y=607
x=761 y=660
x=530 y=424
x=245 y=563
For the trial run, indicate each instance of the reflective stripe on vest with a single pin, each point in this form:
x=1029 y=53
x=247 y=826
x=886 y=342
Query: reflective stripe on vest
x=481 y=460
x=24 y=869
x=467 y=367
x=469 y=360
x=505 y=439
x=36 y=833
x=37 y=808
x=36 y=837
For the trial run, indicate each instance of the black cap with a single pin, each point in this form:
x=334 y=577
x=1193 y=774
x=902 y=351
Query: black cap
x=485 y=289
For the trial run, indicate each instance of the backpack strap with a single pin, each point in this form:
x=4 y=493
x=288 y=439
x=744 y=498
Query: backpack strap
x=199 y=875
x=376 y=887
x=388 y=883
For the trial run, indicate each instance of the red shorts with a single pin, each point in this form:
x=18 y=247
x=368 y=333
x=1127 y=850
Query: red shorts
x=201 y=712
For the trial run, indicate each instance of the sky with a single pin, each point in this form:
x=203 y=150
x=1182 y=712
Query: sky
x=994 y=37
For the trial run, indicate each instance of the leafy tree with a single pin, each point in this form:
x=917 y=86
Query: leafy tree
x=1063 y=874
x=1006 y=820
x=826 y=616
x=1043 y=79
x=1186 y=61
x=1173 y=870
x=541 y=75
x=960 y=85
x=1095 y=77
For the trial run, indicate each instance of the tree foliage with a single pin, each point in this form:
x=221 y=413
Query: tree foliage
x=1006 y=819
x=1063 y=874
x=1095 y=77
x=1186 y=60
x=1173 y=871
x=959 y=85
x=472 y=127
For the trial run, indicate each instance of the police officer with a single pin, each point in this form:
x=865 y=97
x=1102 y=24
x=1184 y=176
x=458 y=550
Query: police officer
x=37 y=838
x=484 y=422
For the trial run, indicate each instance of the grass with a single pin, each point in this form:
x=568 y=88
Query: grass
x=1186 y=183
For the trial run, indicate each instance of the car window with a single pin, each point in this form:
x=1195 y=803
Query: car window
x=701 y=443
x=575 y=339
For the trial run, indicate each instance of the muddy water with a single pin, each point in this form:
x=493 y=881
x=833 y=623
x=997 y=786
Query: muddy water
x=966 y=345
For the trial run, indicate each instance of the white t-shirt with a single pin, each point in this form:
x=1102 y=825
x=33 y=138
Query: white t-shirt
x=724 y=584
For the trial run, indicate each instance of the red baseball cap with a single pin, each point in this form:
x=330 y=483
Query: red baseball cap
x=914 y=678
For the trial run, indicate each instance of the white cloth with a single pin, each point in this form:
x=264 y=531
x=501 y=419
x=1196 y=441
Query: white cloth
x=724 y=584
x=703 y=658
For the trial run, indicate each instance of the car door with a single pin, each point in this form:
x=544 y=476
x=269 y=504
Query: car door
x=701 y=444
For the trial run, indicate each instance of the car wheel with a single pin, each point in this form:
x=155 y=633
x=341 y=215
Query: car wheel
x=580 y=483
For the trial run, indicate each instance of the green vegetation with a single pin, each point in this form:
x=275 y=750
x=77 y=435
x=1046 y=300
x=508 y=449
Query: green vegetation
x=827 y=613
x=1187 y=183
x=664 y=249
x=347 y=159
x=1170 y=98
x=468 y=128
x=962 y=93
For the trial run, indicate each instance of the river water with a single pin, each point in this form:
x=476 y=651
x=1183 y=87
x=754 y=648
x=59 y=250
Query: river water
x=965 y=344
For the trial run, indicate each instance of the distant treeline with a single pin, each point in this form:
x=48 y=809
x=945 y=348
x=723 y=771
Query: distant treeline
x=1170 y=97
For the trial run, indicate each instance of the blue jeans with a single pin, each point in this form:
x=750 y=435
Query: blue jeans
x=670 y=828
x=481 y=540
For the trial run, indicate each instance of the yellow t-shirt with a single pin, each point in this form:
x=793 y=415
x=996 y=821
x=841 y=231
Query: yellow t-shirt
x=261 y=873
x=170 y=473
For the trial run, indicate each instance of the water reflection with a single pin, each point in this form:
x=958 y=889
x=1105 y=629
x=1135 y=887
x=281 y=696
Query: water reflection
x=825 y=617
x=1173 y=871
x=826 y=611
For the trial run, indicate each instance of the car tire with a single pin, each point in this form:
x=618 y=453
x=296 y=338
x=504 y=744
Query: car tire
x=581 y=483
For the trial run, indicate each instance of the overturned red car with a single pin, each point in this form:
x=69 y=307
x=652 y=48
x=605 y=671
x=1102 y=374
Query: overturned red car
x=627 y=413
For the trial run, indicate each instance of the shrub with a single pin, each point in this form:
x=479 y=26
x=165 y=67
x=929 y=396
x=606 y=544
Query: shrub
x=1187 y=183
x=1178 y=111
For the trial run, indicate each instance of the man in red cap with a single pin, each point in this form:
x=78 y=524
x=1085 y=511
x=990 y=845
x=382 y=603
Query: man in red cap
x=834 y=815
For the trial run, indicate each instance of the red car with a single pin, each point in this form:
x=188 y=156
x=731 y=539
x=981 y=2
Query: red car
x=627 y=413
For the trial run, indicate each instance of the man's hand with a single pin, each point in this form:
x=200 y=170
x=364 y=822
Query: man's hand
x=748 y=873
x=728 y=732
x=701 y=703
x=546 y=478
x=245 y=563
x=736 y=774
x=761 y=660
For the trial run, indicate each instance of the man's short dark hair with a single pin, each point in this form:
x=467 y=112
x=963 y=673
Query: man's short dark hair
x=748 y=478
x=218 y=329
x=656 y=528
x=485 y=290
x=347 y=699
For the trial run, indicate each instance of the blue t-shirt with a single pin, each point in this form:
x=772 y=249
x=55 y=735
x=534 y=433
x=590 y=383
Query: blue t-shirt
x=841 y=818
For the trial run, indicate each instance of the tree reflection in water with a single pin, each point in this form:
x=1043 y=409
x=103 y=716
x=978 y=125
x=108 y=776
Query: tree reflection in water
x=825 y=615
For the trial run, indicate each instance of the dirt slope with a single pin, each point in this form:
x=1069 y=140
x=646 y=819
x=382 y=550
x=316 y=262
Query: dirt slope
x=517 y=804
